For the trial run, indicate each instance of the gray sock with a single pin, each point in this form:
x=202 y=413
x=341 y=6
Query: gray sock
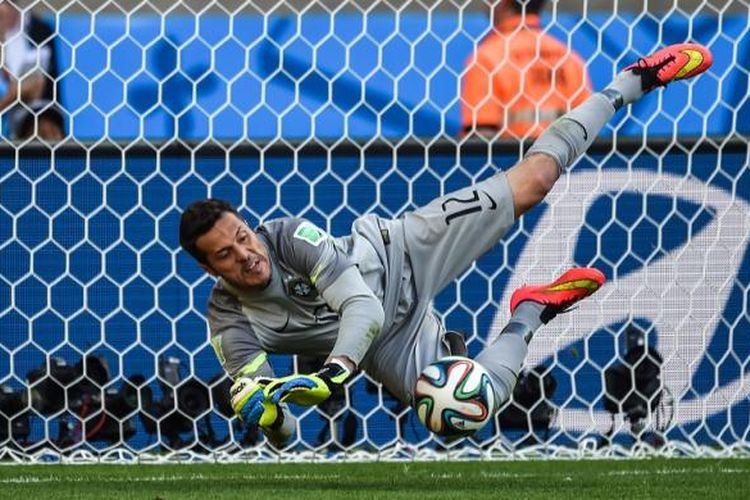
x=526 y=319
x=628 y=85
x=568 y=137
x=503 y=361
x=504 y=358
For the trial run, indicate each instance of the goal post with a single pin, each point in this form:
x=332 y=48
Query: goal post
x=329 y=112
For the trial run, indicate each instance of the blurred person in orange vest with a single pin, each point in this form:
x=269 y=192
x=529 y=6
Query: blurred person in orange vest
x=520 y=79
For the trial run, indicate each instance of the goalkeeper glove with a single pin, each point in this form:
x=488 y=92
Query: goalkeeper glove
x=308 y=390
x=251 y=406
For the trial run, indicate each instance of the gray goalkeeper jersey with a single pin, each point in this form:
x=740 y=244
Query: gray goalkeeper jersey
x=291 y=315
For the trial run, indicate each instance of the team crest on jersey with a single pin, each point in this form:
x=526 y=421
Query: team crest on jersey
x=298 y=287
x=309 y=233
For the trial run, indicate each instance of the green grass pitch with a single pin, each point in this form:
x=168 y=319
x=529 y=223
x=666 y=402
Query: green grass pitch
x=683 y=479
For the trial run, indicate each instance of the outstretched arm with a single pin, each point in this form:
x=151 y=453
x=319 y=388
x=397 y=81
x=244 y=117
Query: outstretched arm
x=361 y=317
x=311 y=252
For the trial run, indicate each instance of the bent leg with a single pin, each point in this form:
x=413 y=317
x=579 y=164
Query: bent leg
x=559 y=146
x=447 y=235
x=567 y=138
x=530 y=180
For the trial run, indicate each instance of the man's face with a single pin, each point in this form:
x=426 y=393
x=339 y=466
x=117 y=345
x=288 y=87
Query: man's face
x=235 y=253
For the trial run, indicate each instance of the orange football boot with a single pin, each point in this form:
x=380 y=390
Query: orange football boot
x=574 y=285
x=676 y=62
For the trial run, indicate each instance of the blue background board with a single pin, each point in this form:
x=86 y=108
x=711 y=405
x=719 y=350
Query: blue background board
x=383 y=75
x=118 y=288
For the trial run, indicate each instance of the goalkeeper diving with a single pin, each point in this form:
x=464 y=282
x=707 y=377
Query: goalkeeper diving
x=365 y=300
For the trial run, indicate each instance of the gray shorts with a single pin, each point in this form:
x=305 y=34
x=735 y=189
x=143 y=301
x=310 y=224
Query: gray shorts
x=445 y=237
x=439 y=241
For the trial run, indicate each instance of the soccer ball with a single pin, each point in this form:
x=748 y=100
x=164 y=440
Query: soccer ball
x=454 y=396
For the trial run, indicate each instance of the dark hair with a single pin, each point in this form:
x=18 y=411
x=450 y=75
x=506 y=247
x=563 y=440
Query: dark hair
x=198 y=219
x=531 y=6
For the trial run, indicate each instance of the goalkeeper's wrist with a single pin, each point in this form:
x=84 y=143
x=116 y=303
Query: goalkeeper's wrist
x=336 y=371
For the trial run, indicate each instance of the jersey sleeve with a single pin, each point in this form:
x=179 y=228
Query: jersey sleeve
x=233 y=338
x=362 y=315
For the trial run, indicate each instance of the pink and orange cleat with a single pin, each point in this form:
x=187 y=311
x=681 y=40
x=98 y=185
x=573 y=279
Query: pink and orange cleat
x=574 y=285
x=676 y=62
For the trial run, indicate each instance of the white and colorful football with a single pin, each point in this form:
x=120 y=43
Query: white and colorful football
x=454 y=396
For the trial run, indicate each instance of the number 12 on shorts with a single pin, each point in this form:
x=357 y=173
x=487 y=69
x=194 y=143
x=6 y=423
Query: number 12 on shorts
x=465 y=206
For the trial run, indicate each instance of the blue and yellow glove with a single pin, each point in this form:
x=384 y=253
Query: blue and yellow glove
x=251 y=405
x=308 y=390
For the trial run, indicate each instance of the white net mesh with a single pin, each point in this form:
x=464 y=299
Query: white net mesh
x=330 y=110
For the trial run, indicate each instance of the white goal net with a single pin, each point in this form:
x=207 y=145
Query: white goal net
x=329 y=110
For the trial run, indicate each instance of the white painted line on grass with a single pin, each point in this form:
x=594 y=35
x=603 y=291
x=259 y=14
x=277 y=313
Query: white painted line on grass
x=162 y=478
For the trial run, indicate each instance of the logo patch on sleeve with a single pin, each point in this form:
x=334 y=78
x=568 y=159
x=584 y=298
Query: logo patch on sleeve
x=309 y=233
